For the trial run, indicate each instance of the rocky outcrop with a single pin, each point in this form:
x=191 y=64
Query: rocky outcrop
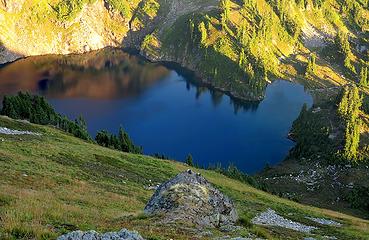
x=6 y=55
x=190 y=198
x=94 y=27
x=123 y=234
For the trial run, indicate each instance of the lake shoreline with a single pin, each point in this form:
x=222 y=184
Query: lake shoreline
x=112 y=78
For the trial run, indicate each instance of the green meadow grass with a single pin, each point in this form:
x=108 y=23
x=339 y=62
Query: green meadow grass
x=55 y=183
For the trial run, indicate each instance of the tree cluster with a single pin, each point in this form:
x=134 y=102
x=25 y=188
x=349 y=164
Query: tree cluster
x=121 y=142
x=343 y=44
x=349 y=110
x=37 y=110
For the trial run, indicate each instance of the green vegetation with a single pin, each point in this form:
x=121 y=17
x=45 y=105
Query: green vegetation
x=233 y=172
x=253 y=43
x=122 y=6
x=359 y=197
x=121 y=142
x=311 y=133
x=56 y=183
x=189 y=160
x=349 y=109
x=328 y=167
x=332 y=132
x=343 y=45
x=37 y=110
x=239 y=47
x=67 y=10
x=311 y=66
x=364 y=78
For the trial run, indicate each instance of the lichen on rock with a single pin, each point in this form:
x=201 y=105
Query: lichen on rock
x=123 y=234
x=190 y=198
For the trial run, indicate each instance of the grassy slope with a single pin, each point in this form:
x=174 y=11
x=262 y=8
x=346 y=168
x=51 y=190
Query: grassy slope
x=56 y=183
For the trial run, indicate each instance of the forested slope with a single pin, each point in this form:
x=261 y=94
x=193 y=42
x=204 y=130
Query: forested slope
x=236 y=46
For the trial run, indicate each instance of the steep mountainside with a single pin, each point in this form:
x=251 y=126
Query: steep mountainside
x=236 y=46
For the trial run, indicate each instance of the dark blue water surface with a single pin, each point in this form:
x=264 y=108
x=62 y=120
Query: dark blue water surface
x=165 y=114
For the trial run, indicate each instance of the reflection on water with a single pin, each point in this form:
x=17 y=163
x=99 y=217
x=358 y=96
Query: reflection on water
x=161 y=109
x=105 y=74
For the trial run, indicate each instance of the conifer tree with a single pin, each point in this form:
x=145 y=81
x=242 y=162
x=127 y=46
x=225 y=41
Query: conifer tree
x=343 y=44
x=226 y=8
x=189 y=160
x=363 y=78
x=311 y=67
x=349 y=110
x=343 y=105
x=204 y=33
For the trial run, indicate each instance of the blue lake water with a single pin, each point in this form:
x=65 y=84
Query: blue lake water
x=161 y=110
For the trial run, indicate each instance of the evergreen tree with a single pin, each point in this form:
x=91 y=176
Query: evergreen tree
x=343 y=105
x=242 y=61
x=363 y=78
x=343 y=44
x=352 y=139
x=349 y=110
x=311 y=67
x=226 y=8
x=189 y=160
x=242 y=33
x=204 y=33
x=103 y=138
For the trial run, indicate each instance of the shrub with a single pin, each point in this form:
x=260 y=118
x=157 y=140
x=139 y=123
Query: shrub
x=68 y=9
x=359 y=197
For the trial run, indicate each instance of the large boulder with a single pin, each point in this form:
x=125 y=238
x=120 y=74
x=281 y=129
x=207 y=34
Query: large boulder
x=123 y=234
x=190 y=198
